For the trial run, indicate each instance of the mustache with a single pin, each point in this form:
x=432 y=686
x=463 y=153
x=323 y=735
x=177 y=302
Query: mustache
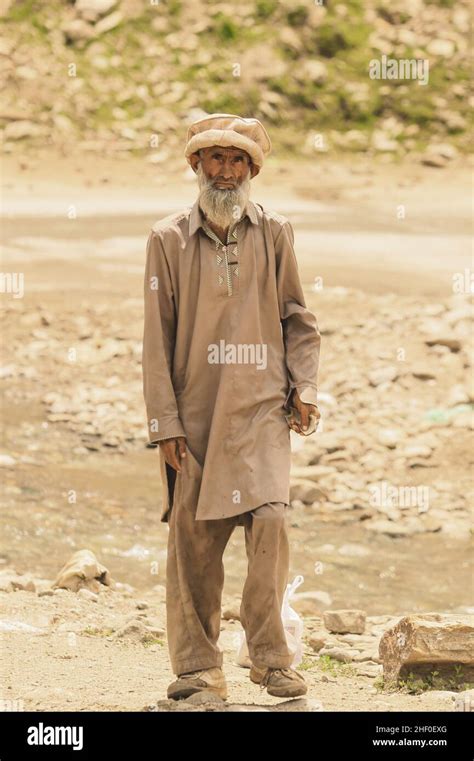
x=221 y=179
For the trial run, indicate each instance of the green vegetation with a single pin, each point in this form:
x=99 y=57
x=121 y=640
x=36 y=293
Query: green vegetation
x=326 y=664
x=336 y=36
x=434 y=681
x=415 y=685
x=154 y=641
x=134 y=66
x=96 y=632
x=265 y=8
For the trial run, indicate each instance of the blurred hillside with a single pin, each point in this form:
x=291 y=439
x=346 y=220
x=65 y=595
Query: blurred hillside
x=128 y=75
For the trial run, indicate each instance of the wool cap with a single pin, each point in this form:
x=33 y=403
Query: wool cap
x=228 y=130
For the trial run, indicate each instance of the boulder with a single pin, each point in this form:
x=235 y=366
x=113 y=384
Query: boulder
x=82 y=571
x=420 y=644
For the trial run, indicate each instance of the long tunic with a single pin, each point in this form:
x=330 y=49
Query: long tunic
x=227 y=337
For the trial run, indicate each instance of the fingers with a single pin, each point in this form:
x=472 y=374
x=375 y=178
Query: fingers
x=182 y=447
x=305 y=410
x=170 y=451
x=304 y=414
x=175 y=460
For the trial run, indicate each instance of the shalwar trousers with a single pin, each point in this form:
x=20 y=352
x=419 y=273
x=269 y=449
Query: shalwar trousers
x=195 y=581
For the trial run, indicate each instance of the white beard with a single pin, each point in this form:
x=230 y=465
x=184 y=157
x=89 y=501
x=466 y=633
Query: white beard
x=222 y=206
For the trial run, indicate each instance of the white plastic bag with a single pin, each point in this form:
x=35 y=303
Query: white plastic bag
x=293 y=626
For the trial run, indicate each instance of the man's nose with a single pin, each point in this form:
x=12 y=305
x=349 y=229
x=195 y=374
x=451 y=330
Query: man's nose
x=227 y=170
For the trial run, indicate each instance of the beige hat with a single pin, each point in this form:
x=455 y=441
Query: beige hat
x=229 y=130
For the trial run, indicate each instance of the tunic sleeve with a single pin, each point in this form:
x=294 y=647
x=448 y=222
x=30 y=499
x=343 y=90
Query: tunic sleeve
x=158 y=345
x=299 y=325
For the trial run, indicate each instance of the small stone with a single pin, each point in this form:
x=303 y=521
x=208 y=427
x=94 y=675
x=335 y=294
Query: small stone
x=382 y=143
x=17 y=582
x=6 y=461
x=383 y=375
x=434 y=160
x=389 y=437
x=108 y=23
x=417 y=451
x=463 y=701
x=315 y=71
x=345 y=655
x=77 y=30
x=309 y=603
x=423 y=373
x=305 y=490
x=342 y=621
x=443 y=48
x=454 y=344
x=317 y=642
x=17 y=130
x=205 y=697
x=438 y=154
x=156 y=631
x=134 y=631
x=231 y=614
x=86 y=594
x=92 y=9
x=371 y=670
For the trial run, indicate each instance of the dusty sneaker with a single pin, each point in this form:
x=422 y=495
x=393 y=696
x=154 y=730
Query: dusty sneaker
x=282 y=683
x=209 y=680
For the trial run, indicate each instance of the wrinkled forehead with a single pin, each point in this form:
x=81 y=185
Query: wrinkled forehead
x=229 y=150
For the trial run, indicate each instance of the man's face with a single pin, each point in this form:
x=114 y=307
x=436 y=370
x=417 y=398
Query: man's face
x=224 y=183
x=225 y=168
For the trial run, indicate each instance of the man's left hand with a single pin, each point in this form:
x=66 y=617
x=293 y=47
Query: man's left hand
x=304 y=410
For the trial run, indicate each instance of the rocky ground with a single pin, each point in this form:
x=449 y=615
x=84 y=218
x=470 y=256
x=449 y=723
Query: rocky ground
x=384 y=483
x=396 y=391
x=105 y=651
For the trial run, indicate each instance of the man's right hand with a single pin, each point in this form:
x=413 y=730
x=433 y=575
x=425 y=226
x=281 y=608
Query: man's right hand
x=173 y=450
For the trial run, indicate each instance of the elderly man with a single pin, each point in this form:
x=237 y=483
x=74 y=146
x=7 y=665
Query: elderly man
x=229 y=348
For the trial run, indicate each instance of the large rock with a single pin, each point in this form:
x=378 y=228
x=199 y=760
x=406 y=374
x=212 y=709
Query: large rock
x=82 y=571
x=420 y=644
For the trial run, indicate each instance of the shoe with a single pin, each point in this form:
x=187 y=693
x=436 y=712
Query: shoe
x=282 y=683
x=206 y=680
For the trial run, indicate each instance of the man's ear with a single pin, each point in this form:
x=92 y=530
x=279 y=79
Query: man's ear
x=253 y=170
x=194 y=159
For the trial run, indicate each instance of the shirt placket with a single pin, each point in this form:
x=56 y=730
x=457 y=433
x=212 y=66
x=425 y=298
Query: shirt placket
x=231 y=269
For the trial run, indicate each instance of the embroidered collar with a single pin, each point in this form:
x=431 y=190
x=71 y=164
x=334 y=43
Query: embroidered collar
x=197 y=220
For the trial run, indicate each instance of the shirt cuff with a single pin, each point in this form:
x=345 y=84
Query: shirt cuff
x=169 y=430
x=308 y=395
